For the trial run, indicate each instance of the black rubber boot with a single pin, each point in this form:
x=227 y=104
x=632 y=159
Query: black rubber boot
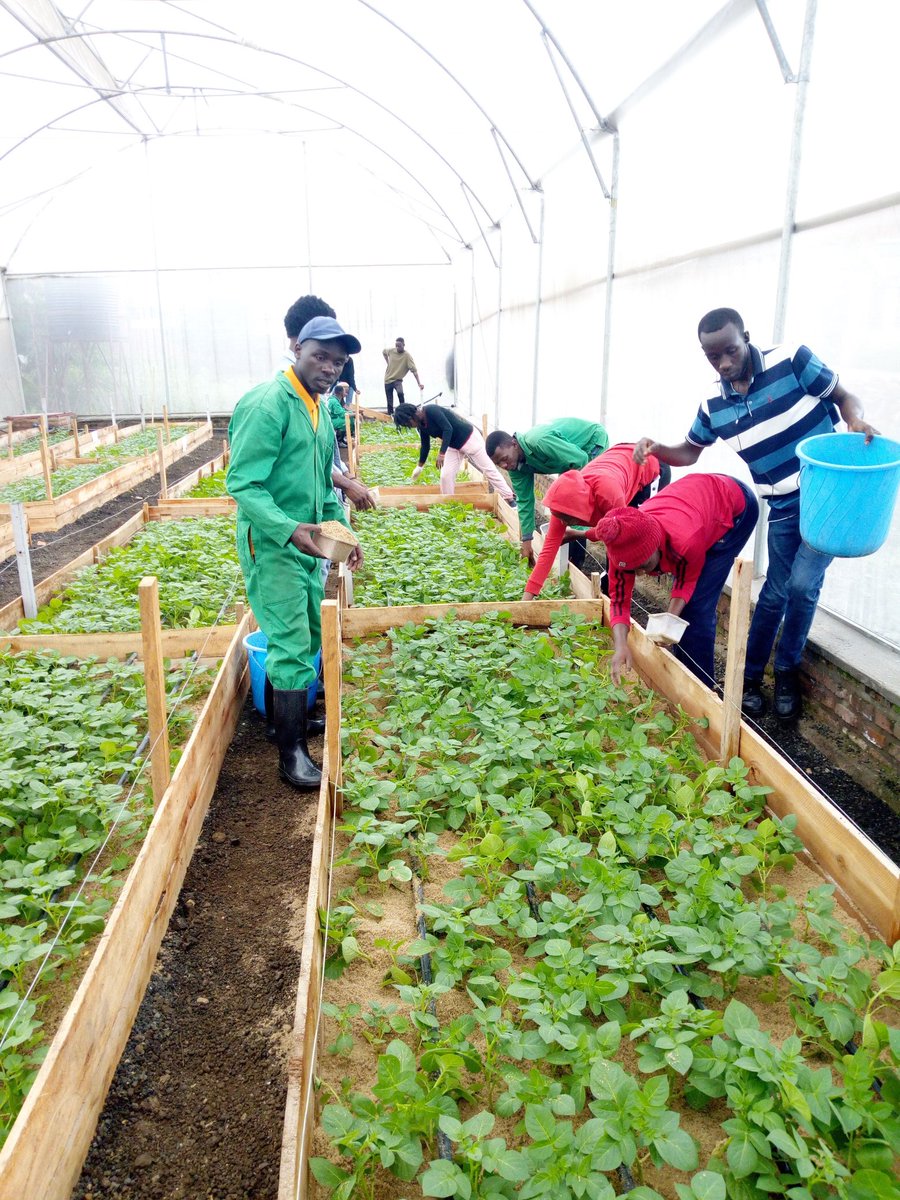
x=314 y=725
x=294 y=764
x=753 y=703
x=270 y=711
x=788 y=698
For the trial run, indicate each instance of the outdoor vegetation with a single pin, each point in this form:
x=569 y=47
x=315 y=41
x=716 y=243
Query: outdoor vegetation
x=567 y=957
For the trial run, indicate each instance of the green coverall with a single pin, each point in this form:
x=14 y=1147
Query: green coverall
x=338 y=415
x=280 y=476
x=564 y=445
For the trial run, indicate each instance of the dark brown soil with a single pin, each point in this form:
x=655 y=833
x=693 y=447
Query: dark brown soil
x=197 y=1104
x=51 y=551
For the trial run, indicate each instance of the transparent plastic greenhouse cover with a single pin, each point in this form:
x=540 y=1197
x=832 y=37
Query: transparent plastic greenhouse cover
x=541 y=196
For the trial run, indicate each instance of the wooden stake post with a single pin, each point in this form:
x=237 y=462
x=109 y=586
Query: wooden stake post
x=160 y=450
x=165 y=415
x=351 y=449
x=738 y=628
x=45 y=459
x=155 y=683
x=75 y=437
x=331 y=669
x=23 y=559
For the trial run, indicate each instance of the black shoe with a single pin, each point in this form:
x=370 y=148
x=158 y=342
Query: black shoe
x=294 y=764
x=270 y=711
x=788 y=698
x=753 y=703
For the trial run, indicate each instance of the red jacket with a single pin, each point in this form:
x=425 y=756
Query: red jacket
x=610 y=481
x=692 y=513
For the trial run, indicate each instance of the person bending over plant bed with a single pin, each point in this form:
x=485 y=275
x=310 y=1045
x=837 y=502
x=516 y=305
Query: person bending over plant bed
x=459 y=439
x=280 y=477
x=613 y=480
x=692 y=531
x=564 y=445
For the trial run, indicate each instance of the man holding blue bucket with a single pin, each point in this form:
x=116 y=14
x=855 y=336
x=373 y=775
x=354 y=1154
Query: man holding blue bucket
x=768 y=401
x=280 y=477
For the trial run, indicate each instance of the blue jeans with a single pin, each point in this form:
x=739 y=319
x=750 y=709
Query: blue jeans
x=697 y=646
x=791 y=592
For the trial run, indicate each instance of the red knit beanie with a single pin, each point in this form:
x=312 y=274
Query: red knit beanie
x=631 y=537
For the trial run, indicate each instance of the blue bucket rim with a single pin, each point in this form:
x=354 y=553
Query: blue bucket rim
x=248 y=645
x=805 y=456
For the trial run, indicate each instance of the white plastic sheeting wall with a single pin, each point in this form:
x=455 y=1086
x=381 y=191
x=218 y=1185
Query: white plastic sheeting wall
x=406 y=202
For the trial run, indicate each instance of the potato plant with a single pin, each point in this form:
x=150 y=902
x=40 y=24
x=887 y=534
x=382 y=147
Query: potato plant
x=450 y=550
x=610 y=891
x=70 y=752
x=195 y=561
x=380 y=433
x=394 y=468
x=105 y=458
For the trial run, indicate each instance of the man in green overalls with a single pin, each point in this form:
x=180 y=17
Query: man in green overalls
x=564 y=445
x=280 y=476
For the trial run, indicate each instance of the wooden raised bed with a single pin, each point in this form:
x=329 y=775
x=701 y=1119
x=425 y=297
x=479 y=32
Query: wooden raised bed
x=45 y=1151
x=30 y=463
x=46 y=516
x=14 y=612
x=866 y=880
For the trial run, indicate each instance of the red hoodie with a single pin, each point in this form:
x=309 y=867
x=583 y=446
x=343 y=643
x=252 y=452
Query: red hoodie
x=610 y=481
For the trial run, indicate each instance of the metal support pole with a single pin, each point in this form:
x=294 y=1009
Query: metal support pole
x=6 y=317
x=610 y=275
x=472 y=340
x=787 y=230
x=499 y=324
x=159 y=308
x=23 y=557
x=537 y=314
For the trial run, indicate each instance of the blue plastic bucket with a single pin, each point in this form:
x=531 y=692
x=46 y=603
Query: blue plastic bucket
x=256 y=645
x=847 y=492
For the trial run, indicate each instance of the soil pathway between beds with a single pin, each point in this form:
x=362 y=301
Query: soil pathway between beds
x=196 y=1106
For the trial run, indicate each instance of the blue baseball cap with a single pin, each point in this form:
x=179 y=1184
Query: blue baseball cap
x=326 y=329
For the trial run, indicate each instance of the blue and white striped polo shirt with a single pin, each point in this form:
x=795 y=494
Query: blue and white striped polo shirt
x=787 y=401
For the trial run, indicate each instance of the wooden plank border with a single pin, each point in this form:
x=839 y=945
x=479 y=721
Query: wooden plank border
x=46 y=516
x=49 y=1141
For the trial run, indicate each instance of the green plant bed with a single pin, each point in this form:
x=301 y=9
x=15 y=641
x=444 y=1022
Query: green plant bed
x=449 y=552
x=70 y=787
x=394 y=468
x=105 y=458
x=210 y=487
x=377 y=433
x=30 y=444
x=619 y=968
x=200 y=581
